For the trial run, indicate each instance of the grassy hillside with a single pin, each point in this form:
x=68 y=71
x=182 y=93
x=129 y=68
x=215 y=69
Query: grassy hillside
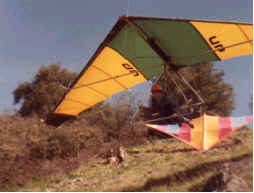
x=161 y=165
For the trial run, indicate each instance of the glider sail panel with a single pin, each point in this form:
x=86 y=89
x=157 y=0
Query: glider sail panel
x=207 y=132
x=230 y=40
x=210 y=129
x=97 y=83
x=197 y=134
x=178 y=39
x=121 y=64
x=130 y=45
x=132 y=53
x=190 y=42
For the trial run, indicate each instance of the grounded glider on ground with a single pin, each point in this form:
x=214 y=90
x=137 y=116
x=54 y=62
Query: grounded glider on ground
x=139 y=48
x=207 y=132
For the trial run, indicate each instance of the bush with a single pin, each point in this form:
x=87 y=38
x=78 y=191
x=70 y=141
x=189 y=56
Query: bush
x=110 y=119
x=26 y=143
x=29 y=148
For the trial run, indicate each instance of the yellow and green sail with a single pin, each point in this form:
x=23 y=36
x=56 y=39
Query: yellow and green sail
x=136 y=49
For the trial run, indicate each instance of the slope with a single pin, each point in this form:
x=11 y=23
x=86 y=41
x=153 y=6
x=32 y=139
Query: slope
x=163 y=165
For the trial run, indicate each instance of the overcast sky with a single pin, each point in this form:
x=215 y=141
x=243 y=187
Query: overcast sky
x=35 y=33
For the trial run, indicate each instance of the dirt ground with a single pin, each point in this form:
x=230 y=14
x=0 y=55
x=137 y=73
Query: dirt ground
x=230 y=179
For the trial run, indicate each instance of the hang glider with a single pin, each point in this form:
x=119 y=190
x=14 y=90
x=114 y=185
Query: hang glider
x=139 y=48
x=207 y=132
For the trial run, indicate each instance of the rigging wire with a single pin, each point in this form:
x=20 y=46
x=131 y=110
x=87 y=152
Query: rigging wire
x=128 y=6
x=179 y=89
x=147 y=94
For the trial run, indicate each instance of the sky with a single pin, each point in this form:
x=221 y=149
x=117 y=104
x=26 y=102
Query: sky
x=35 y=33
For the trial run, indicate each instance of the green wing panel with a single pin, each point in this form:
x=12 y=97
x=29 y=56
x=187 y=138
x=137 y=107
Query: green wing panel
x=131 y=46
x=178 y=39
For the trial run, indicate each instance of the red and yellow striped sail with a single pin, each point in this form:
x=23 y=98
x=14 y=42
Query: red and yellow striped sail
x=207 y=131
x=137 y=47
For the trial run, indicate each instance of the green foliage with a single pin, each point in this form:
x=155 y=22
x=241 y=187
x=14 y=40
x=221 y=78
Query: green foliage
x=41 y=95
x=30 y=149
x=210 y=85
x=27 y=144
x=112 y=119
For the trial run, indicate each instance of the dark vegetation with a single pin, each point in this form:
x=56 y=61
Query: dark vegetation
x=209 y=84
x=31 y=149
x=40 y=95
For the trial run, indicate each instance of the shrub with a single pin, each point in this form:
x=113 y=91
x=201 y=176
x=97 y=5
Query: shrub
x=29 y=148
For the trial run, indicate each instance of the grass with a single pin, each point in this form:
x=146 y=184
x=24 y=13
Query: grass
x=165 y=165
x=248 y=178
x=160 y=165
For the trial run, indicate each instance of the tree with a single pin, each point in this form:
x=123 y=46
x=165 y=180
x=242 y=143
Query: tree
x=42 y=94
x=208 y=82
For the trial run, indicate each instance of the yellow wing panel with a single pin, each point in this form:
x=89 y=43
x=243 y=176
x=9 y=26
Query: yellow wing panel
x=211 y=129
x=70 y=107
x=108 y=74
x=248 y=31
x=229 y=40
x=114 y=64
x=106 y=89
x=197 y=133
x=85 y=95
x=91 y=76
